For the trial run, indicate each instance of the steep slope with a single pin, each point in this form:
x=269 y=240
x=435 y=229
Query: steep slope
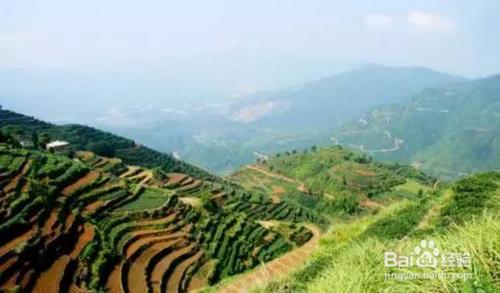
x=375 y=208
x=457 y=221
x=449 y=130
x=93 y=222
x=100 y=142
x=332 y=181
x=326 y=102
x=221 y=137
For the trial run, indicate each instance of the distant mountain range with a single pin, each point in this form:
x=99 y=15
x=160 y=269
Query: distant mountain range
x=331 y=100
x=223 y=137
x=448 y=130
x=443 y=123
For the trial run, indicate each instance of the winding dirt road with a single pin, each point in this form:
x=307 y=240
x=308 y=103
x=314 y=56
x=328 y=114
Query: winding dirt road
x=300 y=186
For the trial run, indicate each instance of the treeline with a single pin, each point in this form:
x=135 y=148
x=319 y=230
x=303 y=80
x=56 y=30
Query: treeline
x=38 y=133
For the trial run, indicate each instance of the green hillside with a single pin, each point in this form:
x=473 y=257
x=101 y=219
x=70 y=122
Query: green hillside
x=376 y=207
x=450 y=130
x=461 y=219
x=91 y=139
x=344 y=95
x=96 y=223
x=223 y=136
x=333 y=181
x=110 y=215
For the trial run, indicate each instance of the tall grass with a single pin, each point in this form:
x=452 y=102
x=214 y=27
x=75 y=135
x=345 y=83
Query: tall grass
x=359 y=267
x=342 y=235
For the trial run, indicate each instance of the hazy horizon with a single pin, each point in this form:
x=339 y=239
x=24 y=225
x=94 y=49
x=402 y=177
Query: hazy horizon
x=88 y=57
x=258 y=40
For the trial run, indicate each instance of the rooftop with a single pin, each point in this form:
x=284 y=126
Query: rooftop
x=57 y=143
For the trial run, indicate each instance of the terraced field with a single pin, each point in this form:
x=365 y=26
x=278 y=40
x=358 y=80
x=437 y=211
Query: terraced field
x=95 y=223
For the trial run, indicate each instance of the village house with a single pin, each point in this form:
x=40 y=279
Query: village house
x=58 y=146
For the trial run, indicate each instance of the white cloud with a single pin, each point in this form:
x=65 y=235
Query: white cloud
x=378 y=21
x=429 y=22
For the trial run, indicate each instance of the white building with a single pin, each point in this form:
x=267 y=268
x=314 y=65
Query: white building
x=57 y=145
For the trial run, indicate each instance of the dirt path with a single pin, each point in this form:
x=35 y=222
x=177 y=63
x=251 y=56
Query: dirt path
x=300 y=185
x=274 y=175
x=435 y=210
x=275 y=268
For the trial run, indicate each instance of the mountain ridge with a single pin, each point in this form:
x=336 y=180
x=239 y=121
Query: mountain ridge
x=451 y=129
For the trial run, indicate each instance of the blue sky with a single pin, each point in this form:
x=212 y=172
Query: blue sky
x=242 y=46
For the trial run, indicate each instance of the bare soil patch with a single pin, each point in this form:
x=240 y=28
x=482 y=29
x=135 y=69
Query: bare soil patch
x=50 y=279
x=88 y=178
x=174 y=281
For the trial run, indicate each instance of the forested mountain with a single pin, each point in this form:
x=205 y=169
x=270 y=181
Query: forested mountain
x=326 y=102
x=449 y=130
x=226 y=135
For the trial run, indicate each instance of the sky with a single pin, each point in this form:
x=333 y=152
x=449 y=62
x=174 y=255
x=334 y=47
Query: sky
x=232 y=47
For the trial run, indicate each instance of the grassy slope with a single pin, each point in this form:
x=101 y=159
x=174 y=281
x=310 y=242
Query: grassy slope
x=462 y=218
x=332 y=180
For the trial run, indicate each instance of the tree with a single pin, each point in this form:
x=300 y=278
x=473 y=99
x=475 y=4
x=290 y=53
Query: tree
x=314 y=148
x=102 y=148
x=34 y=139
x=44 y=139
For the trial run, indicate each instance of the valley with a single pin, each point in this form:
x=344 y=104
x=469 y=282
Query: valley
x=262 y=146
x=120 y=217
x=100 y=224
